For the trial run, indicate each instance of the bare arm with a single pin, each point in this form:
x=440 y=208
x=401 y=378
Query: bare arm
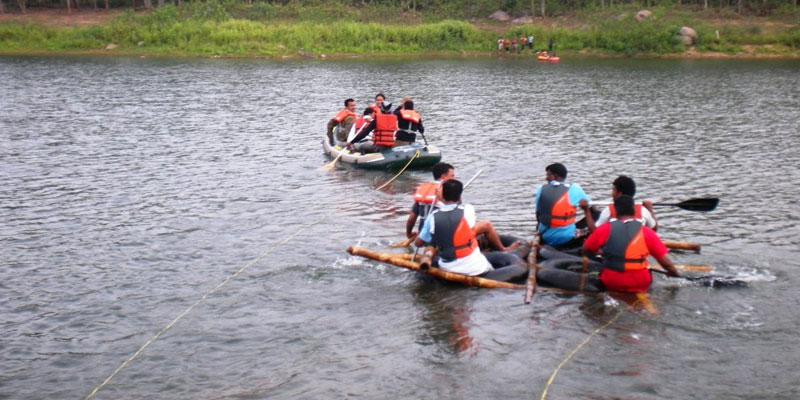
x=412 y=220
x=588 y=213
x=666 y=263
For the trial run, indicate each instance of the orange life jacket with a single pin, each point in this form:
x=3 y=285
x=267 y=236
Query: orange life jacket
x=410 y=116
x=554 y=209
x=385 y=126
x=637 y=211
x=341 y=115
x=625 y=249
x=360 y=123
x=375 y=108
x=453 y=236
x=426 y=192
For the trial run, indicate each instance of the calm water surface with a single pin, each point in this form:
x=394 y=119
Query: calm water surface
x=131 y=187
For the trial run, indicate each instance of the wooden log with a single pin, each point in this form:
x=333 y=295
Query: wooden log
x=404 y=243
x=530 y=284
x=682 y=246
x=389 y=258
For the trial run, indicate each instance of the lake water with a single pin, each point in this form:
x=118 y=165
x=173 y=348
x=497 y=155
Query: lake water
x=131 y=187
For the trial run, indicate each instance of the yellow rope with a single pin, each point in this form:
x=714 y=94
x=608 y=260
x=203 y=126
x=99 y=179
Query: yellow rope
x=230 y=278
x=210 y=292
x=416 y=154
x=575 y=350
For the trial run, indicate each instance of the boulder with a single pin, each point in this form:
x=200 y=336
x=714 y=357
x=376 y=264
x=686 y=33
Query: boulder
x=500 y=16
x=522 y=20
x=643 y=14
x=111 y=46
x=688 y=36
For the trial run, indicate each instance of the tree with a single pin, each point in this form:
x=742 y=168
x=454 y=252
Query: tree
x=542 y=8
x=148 y=5
x=21 y=5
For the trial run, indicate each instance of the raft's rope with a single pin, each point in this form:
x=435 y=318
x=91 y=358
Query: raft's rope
x=230 y=278
x=416 y=154
x=575 y=350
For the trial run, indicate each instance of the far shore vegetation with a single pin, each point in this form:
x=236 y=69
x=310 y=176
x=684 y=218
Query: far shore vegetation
x=410 y=27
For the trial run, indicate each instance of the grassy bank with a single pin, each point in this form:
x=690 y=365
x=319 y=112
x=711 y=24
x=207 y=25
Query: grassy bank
x=268 y=30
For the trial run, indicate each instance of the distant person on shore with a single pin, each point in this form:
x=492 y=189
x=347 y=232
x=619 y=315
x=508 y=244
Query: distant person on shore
x=530 y=42
x=550 y=47
x=343 y=121
x=523 y=41
x=452 y=229
x=507 y=45
x=625 y=185
x=556 y=205
x=499 y=46
x=513 y=44
x=409 y=122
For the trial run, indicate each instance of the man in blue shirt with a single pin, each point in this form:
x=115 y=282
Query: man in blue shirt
x=556 y=205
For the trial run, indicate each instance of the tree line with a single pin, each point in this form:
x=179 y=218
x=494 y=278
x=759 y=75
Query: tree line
x=451 y=8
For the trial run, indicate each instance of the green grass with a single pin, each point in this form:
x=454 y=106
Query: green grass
x=236 y=29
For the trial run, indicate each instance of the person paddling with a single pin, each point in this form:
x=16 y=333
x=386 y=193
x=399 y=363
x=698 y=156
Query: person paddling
x=556 y=205
x=384 y=126
x=344 y=120
x=625 y=185
x=409 y=122
x=452 y=229
x=624 y=245
x=426 y=196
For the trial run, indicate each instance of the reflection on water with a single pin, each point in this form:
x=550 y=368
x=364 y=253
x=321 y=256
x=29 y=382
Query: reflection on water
x=129 y=187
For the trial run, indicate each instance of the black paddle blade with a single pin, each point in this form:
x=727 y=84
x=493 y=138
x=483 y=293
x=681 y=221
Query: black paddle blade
x=707 y=204
x=715 y=281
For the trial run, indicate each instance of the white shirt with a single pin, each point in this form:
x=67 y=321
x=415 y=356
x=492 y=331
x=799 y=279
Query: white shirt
x=647 y=218
x=471 y=265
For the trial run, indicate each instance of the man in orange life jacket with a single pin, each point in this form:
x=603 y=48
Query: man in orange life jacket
x=624 y=185
x=452 y=229
x=556 y=206
x=625 y=244
x=409 y=123
x=344 y=119
x=384 y=126
x=426 y=196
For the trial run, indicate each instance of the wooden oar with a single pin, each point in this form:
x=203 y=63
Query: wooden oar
x=329 y=166
x=682 y=246
x=697 y=204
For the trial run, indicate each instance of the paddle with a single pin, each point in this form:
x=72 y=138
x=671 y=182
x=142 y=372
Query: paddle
x=712 y=281
x=696 y=204
x=329 y=166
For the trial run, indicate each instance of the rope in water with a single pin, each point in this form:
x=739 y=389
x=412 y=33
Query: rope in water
x=575 y=350
x=219 y=286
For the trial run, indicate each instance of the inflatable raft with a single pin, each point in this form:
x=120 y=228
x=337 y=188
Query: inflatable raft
x=395 y=158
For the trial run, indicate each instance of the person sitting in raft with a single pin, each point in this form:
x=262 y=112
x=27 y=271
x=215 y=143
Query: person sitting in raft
x=625 y=185
x=625 y=244
x=384 y=126
x=556 y=206
x=344 y=120
x=363 y=121
x=409 y=123
x=426 y=197
x=452 y=229
x=378 y=105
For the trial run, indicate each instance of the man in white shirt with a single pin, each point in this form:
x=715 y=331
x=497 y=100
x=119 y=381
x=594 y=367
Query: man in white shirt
x=625 y=185
x=452 y=229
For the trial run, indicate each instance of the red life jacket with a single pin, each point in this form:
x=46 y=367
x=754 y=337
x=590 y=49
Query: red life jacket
x=626 y=250
x=360 y=123
x=385 y=126
x=341 y=115
x=426 y=192
x=637 y=211
x=554 y=209
x=453 y=236
x=375 y=108
x=507 y=42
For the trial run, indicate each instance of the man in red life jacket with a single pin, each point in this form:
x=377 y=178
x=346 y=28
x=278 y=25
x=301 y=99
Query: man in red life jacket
x=383 y=128
x=409 y=122
x=625 y=244
x=426 y=196
x=452 y=229
x=624 y=185
x=344 y=120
